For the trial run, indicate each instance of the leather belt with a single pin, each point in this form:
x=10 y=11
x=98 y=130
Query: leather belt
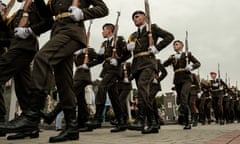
x=108 y=59
x=62 y=15
x=145 y=53
x=180 y=70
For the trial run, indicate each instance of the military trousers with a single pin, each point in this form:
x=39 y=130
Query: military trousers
x=16 y=63
x=56 y=57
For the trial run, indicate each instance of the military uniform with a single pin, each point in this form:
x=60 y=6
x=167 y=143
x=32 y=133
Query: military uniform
x=205 y=104
x=81 y=79
x=67 y=36
x=124 y=86
x=110 y=75
x=182 y=80
x=156 y=87
x=195 y=89
x=217 y=92
x=144 y=67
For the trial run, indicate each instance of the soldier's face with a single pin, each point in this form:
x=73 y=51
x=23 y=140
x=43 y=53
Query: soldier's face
x=213 y=76
x=177 y=46
x=139 y=19
x=107 y=32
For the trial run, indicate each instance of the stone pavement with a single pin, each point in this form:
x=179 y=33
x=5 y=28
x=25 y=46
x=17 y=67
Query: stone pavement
x=169 y=134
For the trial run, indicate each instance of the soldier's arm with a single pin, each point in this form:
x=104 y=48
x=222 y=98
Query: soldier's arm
x=43 y=9
x=4 y=42
x=196 y=64
x=167 y=37
x=98 y=10
x=163 y=72
x=99 y=58
x=124 y=53
x=168 y=61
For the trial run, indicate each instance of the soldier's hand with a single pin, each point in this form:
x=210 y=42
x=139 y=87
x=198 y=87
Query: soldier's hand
x=114 y=62
x=22 y=32
x=78 y=52
x=131 y=46
x=84 y=66
x=101 y=51
x=76 y=13
x=153 y=49
x=188 y=67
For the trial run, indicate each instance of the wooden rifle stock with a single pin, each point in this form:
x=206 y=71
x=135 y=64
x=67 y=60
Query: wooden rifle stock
x=86 y=58
x=186 y=48
x=24 y=20
x=149 y=22
x=9 y=7
x=114 y=50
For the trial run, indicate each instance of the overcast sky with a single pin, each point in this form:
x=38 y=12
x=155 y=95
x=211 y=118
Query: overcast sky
x=213 y=27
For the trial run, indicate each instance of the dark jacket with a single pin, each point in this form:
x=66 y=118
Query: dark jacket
x=183 y=75
x=122 y=52
x=36 y=23
x=66 y=26
x=142 y=45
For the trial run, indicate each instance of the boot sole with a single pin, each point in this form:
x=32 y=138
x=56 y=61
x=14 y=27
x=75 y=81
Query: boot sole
x=32 y=135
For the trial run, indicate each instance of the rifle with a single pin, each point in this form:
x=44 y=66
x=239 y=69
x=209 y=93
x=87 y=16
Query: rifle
x=125 y=73
x=149 y=22
x=86 y=58
x=24 y=20
x=219 y=77
x=186 y=48
x=9 y=7
x=114 y=50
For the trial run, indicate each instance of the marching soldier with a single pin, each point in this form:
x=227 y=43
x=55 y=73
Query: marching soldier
x=155 y=88
x=217 y=93
x=124 y=86
x=144 y=65
x=195 y=89
x=205 y=103
x=182 y=76
x=110 y=75
x=68 y=35
x=16 y=62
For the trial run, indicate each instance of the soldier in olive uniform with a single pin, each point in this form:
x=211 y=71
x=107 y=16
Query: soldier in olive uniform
x=3 y=35
x=16 y=62
x=217 y=93
x=110 y=74
x=155 y=88
x=144 y=63
x=182 y=76
x=205 y=103
x=81 y=79
x=68 y=35
x=195 y=89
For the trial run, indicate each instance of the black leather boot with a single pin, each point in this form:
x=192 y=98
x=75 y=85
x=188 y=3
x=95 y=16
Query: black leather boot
x=187 y=122
x=71 y=130
x=153 y=126
x=30 y=134
x=195 y=120
x=121 y=126
x=96 y=122
x=138 y=124
x=50 y=117
x=29 y=119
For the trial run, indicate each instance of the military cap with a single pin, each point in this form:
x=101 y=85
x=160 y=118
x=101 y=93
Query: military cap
x=137 y=12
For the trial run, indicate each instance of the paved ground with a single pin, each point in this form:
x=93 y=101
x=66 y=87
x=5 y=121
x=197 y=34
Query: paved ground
x=169 y=134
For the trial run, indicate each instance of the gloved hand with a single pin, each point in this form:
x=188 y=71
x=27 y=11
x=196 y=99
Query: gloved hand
x=22 y=32
x=188 y=67
x=199 y=95
x=153 y=49
x=84 y=66
x=101 y=51
x=78 y=52
x=114 y=62
x=76 y=13
x=131 y=46
x=126 y=80
x=155 y=81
